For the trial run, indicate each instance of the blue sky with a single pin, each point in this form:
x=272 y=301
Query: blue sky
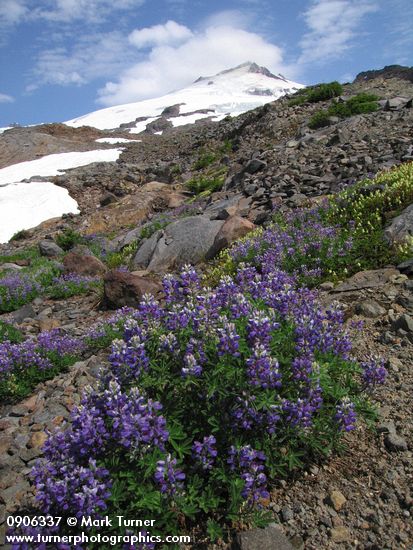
x=64 y=58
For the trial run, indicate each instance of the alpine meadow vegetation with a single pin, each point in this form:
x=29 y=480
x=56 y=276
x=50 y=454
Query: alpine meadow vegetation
x=207 y=398
x=234 y=380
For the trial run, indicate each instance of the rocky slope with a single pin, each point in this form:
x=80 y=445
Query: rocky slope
x=267 y=159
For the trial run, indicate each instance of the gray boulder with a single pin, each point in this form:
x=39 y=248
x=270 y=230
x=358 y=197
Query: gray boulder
x=370 y=308
x=404 y=322
x=368 y=279
x=145 y=252
x=185 y=241
x=254 y=165
x=24 y=312
x=49 y=248
x=158 y=125
x=401 y=227
x=397 y=103
x=406 y=267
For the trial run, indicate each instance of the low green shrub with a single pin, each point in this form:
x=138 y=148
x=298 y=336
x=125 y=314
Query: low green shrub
x=151 y=228
x=205 y=160
x=10 y=333
x=368 y=206
x=68 y=238
x=320 y=119
x=300 y=100
x=226 y=147
x=123 y=257
x=357 y=105
x=323 y=92
x=364 y=108
x=206 y=184
x=20 y=235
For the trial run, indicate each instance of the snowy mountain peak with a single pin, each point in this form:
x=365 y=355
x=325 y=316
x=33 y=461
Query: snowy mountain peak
x=230 y=92
x=244 y=68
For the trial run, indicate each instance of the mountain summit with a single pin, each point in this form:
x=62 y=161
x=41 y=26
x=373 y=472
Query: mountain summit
x=230 y=92
x=247 y=67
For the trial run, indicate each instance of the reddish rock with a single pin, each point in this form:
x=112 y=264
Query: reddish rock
x=30 y=403
x=176 y=199
x=127 y=289
x=8 y=425
x=58 y=420
x=22 y=262
x=234 y=228
x=37 y=440
x=83 y=265
x=48 y=324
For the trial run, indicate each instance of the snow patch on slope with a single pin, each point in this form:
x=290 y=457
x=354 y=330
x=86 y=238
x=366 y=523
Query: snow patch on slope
x=117 y=140
x=52 y=165
x=25 y=205
x=188 y=119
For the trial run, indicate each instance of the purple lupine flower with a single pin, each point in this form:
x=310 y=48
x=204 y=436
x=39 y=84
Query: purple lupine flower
x=272 y=418
x=189 y=280
x=70 y=488
x=228 y=339
x=17 y=289
x=205 y=452
x=68 y=284
x=302 y=368
x=17 y=357
x=299 y=412
x=259 y=328
x=60 y=343
x=374 y=372
x=129 y=359
x=169 y=478
x=171 y=289
x=240 y=306
x=345 y=415
x=250 y=463
x=245 y=416
x=135 y=421
x=191 y=366
x=149 y=309
x=168 y=342
x=263 y=370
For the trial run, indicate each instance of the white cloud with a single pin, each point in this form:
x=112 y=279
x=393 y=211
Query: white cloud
x=12 y=11
x=169 y=67
x=85 y=10
x=168 y=34
x=99 y=55
x=4 y=98
x=66 y=11
x=332 y=24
